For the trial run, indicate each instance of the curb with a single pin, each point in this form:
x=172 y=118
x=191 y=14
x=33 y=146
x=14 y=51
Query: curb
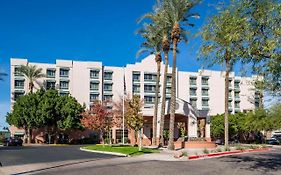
x=227 y=153
x=105 y=152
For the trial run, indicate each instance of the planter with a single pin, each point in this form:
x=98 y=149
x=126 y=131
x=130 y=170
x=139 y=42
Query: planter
x=179 y=144
x=227 y=153
x=199 y=144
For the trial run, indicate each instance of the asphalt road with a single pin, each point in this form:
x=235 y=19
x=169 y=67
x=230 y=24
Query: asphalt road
x=10 y=156
x=264 y=163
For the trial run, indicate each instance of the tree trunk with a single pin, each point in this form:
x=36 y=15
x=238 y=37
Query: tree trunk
x=29 y=136
x=227 y=66
x=173 y=97
x=136 y=137
x=140 y=138
x=31 y=86
x=163 y=105
x=154 y=122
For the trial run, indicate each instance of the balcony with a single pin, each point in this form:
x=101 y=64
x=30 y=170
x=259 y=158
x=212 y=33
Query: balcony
x=237 y=98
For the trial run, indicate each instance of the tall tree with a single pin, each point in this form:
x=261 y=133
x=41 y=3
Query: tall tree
x=26 y=115
x=164 y=29
x=263 y=40
x=177 y=13
x=32 y=74
x=98 y=118
x=223 y=41
x=134 y=117
x=153 y=40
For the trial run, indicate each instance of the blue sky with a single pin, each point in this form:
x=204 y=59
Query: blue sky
x=43 y=31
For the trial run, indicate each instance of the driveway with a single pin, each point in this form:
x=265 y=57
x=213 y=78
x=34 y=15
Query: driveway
x=20 y=159
x=264 y=163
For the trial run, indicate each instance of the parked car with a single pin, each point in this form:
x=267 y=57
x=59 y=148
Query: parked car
x=13 y=142
x=272 y=141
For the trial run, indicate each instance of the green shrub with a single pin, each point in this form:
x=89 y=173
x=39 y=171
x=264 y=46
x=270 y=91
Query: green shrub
x=253 y=146
x=205 y=151
x=239 y=147
x=219 y=150
x=226 y=148
x=184 y=153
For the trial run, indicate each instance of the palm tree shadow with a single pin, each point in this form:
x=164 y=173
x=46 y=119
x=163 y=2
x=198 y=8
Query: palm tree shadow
x=257 y=162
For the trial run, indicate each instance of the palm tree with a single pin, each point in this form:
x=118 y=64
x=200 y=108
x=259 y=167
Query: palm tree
x=32 y=74
x=177 y=14
x=223 y=42
x=152 y=35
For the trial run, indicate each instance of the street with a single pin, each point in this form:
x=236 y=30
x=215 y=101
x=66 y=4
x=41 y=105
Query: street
x=262 y=163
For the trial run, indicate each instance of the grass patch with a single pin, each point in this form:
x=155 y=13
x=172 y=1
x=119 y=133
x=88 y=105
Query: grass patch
x=124 y=149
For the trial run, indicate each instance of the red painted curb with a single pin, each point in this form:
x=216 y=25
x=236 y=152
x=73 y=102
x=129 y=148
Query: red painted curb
x=227 y=153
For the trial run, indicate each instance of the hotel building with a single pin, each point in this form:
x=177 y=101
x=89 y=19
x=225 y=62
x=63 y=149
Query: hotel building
x=199 y=94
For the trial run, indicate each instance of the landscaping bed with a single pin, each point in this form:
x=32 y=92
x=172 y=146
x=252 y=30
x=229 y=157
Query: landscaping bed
x=220 y=151
x=121 y=149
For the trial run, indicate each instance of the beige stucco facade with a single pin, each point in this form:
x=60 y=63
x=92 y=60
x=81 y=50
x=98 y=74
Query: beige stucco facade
x=88 y=81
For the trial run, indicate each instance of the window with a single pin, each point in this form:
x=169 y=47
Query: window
x=51 y=73
x=257 y=104
x=150 y=77
x=229 y=94
x=119 y=135
x=205 y=92
x=205 y=80
x=50 y=85
x=94 y=86
x=136 y=76
x=205 y=102
x=237 y=105
x=136 y=88
x=229 y=81
x=236 y=94
x=64 y=72
x=192 y=92
x=236 y=84
x=94 y=97
x=107 y=87
x=193 y=102
x=19 y=84
x=64 y=93
x=168 y=90
x=149 y=88
x=229 y=104
x=107 y=97
x=192 y=80
x=17 y=95
x=149 y=99
x=17 y=72
x=64 y=84
x=108 y=75
x=169 y=78
x=94 y=74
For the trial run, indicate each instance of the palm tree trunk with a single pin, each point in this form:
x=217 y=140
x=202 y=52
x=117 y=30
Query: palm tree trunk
x=227 y=66
x=31 y=86
x=163 y=105
x=173 y=97
x=156 y=102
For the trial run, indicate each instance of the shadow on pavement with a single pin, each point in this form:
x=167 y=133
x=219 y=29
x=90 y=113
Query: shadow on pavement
x=268 y=161
x=11 y=156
